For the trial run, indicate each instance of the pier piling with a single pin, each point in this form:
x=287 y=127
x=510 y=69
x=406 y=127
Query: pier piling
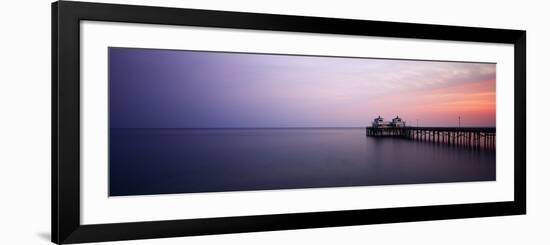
x=474 y=138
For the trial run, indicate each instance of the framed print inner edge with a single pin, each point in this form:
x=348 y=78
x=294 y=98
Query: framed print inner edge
x=93 y=118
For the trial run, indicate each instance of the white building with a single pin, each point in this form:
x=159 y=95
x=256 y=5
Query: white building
x=395 y=123
x=398 y=122
x=379 y=123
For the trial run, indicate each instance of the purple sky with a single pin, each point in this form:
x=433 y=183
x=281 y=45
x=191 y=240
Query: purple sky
x=183 y=89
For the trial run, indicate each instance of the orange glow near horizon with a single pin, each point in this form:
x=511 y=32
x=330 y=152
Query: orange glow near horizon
x=474 y=103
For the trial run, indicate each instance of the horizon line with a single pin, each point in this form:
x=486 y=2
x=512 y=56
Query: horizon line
x=252 y=128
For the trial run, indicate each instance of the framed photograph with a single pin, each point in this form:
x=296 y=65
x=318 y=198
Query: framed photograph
x=174 y=122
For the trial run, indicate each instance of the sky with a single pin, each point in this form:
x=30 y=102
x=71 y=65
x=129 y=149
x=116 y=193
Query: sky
x=153 y=88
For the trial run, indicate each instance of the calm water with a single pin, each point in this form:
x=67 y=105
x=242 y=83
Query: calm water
x=160 y=161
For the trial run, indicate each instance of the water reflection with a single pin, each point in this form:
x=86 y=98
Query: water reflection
x=158 y=161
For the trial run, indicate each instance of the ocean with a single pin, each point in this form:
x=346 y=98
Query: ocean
x=167 y=161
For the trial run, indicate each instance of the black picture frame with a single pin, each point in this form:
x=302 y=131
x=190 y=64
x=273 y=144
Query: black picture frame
x=66 y=226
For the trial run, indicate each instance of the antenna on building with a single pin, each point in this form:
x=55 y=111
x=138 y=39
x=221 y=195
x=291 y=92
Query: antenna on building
x=458 y=121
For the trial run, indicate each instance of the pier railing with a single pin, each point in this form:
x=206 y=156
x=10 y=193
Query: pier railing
x=478 y=138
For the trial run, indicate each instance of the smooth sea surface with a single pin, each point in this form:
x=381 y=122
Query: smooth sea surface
x=163 y=161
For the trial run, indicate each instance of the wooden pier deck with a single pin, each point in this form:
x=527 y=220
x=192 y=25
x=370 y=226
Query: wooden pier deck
x=477 y=138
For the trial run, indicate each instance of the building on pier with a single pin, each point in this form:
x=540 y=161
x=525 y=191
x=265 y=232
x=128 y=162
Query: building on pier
x=380 y=123
x=397 y=122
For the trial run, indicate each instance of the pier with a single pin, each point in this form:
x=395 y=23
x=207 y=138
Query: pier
x=476 y=138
